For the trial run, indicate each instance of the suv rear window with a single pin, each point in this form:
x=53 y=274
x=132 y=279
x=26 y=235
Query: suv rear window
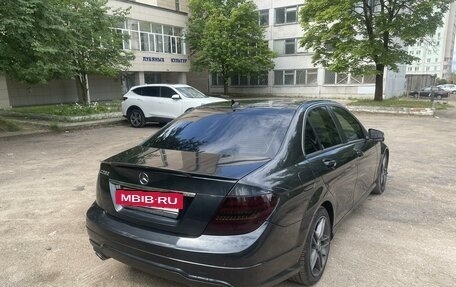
x=249 y=132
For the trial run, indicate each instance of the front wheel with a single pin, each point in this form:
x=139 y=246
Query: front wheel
x=316 y=249
x=136 y=118
x=382 y=176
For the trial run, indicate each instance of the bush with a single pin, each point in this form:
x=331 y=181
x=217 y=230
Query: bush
x=8 y=126
x=71 y=110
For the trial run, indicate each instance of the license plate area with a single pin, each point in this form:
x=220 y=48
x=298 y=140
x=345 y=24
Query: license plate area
x=158 y=202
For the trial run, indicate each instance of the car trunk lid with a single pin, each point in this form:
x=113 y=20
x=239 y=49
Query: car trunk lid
x=204 y=179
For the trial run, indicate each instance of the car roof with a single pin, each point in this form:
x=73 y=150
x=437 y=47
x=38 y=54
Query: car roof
x=161 y=85
x=268 y=103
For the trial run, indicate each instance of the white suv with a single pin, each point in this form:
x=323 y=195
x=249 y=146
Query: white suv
x=161 y=102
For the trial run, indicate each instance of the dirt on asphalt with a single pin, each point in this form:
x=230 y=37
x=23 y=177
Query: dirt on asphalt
x=405 y=237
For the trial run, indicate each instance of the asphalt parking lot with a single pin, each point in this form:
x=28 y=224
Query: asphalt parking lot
x=405 y=237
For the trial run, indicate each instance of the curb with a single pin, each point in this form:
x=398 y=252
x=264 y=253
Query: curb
x=426 y=112
x=45 y=117
x=60 y=127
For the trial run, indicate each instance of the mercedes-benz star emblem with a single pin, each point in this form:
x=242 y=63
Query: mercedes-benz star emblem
x=143 y=178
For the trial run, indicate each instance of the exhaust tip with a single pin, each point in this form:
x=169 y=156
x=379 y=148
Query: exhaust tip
x=101 y=255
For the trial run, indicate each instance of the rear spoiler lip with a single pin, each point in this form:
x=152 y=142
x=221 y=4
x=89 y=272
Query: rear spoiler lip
x=173 y=171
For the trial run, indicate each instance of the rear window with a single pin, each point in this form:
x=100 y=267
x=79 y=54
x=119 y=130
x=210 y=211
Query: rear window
x=249 y=132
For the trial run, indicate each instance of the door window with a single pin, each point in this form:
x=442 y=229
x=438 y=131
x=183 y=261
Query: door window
x=350 y=126
x=324 y=127
x=151 y=91
x=311 y=143
x=167 y=92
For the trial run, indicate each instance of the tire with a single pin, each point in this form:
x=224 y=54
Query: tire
x=439 y=97
x=136 y=118
x=382 y=176
x=316 y=250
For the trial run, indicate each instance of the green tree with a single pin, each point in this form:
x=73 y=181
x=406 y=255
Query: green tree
x=43 y=40
x=29 y=34
x=439 y=81
x=367 y=36
x=225 y=37
x=93 y=46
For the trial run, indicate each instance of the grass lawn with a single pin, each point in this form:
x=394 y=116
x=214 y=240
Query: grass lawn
x=400 y=103
x=71 y=109
x=8 y=126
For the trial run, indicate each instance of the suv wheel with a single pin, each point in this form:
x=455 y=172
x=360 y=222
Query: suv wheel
x=136 y=118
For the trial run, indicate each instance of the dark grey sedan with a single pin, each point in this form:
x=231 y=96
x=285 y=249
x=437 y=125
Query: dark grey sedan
x=437 y=92
x=248 y=194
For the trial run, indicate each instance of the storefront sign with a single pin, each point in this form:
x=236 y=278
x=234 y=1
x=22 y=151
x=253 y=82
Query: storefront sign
x=153 y=59
x=176 y=60
x=159 y=59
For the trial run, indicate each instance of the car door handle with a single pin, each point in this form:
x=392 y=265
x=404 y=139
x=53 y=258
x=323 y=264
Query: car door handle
x=359 y=153
x=330 y=163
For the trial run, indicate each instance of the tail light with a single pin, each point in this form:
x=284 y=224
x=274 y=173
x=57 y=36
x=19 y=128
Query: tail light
x=242 y=211
x=124 y=98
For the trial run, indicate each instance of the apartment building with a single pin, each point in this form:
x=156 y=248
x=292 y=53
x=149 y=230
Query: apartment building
x=156 y=30
x=294 y=74
x=436 y=53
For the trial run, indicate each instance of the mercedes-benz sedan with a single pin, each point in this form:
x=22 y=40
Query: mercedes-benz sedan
x=241 y=194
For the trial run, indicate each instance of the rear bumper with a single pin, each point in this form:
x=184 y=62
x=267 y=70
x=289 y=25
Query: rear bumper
x=201 y=261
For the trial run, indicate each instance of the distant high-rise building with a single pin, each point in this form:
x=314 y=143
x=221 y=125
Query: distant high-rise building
x=436 y=54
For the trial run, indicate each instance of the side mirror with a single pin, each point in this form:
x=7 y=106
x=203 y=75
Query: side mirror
x=175 y=97
x=376 y=135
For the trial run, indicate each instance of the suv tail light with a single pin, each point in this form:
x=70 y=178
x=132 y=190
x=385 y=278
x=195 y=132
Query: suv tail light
x=242 y=212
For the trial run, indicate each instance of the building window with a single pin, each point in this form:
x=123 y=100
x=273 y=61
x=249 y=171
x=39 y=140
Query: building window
x=177 y=5
x=369 y=79
x=332 y=78
x=286 y=15
x=260 y=79
x=216 y=79
x=290 y=46
x=295 y=77
x=263 y=17
x=152 y=37
x=152 y=78
x=287 y=47
x=356 y=79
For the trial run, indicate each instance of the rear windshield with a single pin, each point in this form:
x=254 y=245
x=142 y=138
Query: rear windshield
x=191 y=92
x=249 y=132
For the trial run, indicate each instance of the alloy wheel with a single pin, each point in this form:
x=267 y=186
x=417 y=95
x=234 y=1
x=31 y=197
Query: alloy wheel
x=136 y=118
x=319 y=246
x=384 y=173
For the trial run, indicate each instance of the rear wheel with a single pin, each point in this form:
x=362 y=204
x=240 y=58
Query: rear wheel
x=439 y=97
x=136 y=118
x=382 y=176
x=316 y=250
